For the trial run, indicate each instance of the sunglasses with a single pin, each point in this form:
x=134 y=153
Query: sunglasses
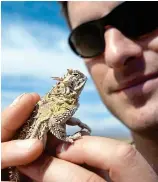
x=133 y=19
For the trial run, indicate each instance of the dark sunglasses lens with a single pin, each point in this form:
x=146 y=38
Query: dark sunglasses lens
x=136 y=20
x=87 y=40
x=147 y=20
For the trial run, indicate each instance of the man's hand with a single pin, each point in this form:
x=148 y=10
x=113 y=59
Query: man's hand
x=18 y=152
x=90 y=159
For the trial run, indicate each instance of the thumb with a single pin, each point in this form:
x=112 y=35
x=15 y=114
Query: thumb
x=20 y=152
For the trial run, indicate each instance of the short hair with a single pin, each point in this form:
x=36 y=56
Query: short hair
x=64 y=10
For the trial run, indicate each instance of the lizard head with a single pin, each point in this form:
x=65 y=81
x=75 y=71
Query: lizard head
x=71 y=85
x=75 y=80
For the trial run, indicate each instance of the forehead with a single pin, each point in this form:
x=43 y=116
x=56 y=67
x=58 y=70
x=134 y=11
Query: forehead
x=83 y=11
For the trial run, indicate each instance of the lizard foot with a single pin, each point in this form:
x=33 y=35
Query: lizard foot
x=71 y=138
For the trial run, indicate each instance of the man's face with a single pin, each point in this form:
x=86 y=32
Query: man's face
x=135 y=102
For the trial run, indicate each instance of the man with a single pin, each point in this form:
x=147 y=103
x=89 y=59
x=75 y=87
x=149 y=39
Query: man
x=120 y=50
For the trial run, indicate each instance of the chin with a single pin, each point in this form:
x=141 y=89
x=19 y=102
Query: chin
x=138 y=118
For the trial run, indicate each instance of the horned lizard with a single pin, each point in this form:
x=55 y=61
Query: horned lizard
x=54 y=111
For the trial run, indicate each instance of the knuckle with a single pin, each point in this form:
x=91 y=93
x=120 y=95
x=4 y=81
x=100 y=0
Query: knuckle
x=94 y=178
x=126 y=153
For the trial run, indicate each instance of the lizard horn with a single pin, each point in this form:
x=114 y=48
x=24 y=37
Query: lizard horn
x=69 y=71
x=57 y=78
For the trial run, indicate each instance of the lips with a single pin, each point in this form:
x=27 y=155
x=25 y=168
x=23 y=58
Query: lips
x=137 y=81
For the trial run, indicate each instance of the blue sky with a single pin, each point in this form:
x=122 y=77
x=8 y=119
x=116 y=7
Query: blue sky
x=34 y=48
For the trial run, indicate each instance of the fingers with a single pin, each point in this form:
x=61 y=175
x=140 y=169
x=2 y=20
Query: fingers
x=20 y=152
x=16 y=114
x=122 y=161
x=48 y=169
x=53 y=142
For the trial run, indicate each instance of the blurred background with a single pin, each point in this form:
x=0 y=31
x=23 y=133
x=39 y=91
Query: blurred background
x=34 y=48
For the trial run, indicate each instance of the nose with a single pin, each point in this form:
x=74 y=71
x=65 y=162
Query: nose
x=119 y=49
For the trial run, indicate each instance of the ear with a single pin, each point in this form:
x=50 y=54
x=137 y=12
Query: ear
x=70 y=71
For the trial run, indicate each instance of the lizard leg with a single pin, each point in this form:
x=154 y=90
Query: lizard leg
x=58 y=129
x=76 y=122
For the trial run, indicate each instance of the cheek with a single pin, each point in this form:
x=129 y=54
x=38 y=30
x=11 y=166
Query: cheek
x=153 y=44
x=150 y=42
x=98 y=71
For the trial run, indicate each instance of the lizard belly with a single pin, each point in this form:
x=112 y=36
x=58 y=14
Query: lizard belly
x=59 y=131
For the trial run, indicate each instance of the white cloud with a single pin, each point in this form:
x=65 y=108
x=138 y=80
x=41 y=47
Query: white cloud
x=36 y=49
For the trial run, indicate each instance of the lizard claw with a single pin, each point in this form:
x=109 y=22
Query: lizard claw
x=86 y=128
x=74 y=137
x=70 y=140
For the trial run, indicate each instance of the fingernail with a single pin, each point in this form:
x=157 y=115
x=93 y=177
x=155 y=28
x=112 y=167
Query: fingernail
x=17 y=99
x=62 y=148
x=26 y=144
